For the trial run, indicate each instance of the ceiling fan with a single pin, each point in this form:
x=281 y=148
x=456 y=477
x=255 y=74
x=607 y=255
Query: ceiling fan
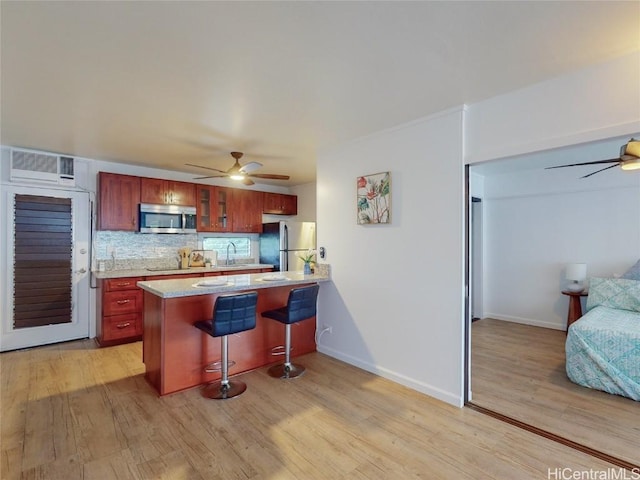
x=240 y=172
x=629 y=159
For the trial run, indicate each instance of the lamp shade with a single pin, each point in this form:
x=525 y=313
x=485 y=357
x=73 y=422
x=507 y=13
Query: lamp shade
x=576 y=271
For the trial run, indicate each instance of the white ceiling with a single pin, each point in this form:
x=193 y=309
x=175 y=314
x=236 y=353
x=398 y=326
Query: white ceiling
x=167 y=83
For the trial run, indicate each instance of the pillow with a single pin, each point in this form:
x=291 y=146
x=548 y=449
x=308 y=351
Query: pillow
x=633 y=273
x=617 y=293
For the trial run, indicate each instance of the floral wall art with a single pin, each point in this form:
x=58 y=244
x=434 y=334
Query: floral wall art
x=374 y=198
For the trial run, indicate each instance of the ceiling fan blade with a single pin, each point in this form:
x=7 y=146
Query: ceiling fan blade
x=269 y=176
x=210 y=176
x=612 y=160
x=601 y=170
x=250 y=167
x=206 y=168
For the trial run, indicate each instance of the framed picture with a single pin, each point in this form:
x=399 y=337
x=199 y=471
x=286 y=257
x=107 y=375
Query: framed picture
x=199 y=258
x=374 y=198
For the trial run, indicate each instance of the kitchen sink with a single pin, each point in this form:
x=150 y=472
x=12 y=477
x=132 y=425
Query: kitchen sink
x=162 y=269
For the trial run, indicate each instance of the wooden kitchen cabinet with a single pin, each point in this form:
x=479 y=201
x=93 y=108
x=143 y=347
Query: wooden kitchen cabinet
x=120 y=311
x=279 y=204
x=118 y=200
x=219 y=209
x=169 y=192
x=246 y=211
x=213 y=208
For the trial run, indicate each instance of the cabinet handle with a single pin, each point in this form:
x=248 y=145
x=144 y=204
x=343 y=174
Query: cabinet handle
x=122 y=302
x=124 y=284
x=123 y=325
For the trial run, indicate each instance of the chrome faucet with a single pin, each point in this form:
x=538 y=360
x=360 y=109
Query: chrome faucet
x=234 y=251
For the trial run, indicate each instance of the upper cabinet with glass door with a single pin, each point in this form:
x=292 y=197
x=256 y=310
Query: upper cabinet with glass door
x=213 y=209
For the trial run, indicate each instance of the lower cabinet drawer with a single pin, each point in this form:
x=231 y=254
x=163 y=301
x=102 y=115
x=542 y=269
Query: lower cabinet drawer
x=121 y=326
x=115 y=284
x=116 y=303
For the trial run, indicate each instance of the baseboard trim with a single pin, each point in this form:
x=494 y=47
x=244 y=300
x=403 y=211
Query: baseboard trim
x=556 y=438
x=447 y=397
x=525 y=321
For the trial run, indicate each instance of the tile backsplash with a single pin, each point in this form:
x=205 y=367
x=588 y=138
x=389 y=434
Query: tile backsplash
x=128 y=245
x=133 y=250
x=126 y=250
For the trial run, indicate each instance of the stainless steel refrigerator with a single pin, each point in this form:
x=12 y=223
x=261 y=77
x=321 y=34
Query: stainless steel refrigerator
x=281 y=243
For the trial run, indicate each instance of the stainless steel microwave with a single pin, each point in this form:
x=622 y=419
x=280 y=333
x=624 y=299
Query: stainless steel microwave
x=167 y=218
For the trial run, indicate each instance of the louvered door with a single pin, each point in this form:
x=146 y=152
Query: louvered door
x=42 y=261
x=47 y=273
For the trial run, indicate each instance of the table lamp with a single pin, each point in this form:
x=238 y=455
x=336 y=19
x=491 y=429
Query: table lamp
x=576 y=273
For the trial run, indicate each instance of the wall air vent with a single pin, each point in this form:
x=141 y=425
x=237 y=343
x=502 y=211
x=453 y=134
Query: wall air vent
x=41 y=167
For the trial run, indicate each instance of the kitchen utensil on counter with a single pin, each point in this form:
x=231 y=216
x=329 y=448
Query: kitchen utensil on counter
x=184 y=253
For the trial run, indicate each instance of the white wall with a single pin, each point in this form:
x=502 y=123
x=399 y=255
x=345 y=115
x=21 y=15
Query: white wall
x=395 y=303
x=595 y=103
x=306 y=202
x=536 y=222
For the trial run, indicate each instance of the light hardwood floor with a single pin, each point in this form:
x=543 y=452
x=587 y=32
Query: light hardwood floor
x=519 y=371
x=72 y=411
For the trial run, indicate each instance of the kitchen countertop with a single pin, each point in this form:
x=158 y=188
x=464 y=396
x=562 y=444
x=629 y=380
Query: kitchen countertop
x=145 y=272
x=186 y=287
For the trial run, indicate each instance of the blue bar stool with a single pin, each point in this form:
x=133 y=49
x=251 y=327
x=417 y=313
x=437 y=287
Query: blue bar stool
x=301 y=305
x=232 y=313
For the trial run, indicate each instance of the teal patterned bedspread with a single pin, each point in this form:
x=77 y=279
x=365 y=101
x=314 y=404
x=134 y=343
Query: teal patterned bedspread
x=603 y=351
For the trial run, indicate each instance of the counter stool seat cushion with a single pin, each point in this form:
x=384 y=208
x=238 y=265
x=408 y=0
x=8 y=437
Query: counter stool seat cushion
x=301 y=305
x=231 y=314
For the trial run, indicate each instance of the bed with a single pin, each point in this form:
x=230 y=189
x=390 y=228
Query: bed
x=603 y=346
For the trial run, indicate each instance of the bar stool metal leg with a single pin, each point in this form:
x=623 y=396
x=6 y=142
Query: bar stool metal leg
x=224 y=388
x=232 y=313
x=286 y=369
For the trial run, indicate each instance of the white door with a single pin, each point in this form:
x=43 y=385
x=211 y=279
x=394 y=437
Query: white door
x=45 y=266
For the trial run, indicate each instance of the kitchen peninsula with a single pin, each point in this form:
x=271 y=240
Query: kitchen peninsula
x=120 y=301
x=175 y=353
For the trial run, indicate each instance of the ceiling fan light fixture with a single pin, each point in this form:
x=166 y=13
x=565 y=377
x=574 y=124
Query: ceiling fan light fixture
x=630 y=164
x=631 y=148
x=241 y=173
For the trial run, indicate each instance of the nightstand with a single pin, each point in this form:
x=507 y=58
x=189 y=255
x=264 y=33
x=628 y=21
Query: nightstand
x=575 y=308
